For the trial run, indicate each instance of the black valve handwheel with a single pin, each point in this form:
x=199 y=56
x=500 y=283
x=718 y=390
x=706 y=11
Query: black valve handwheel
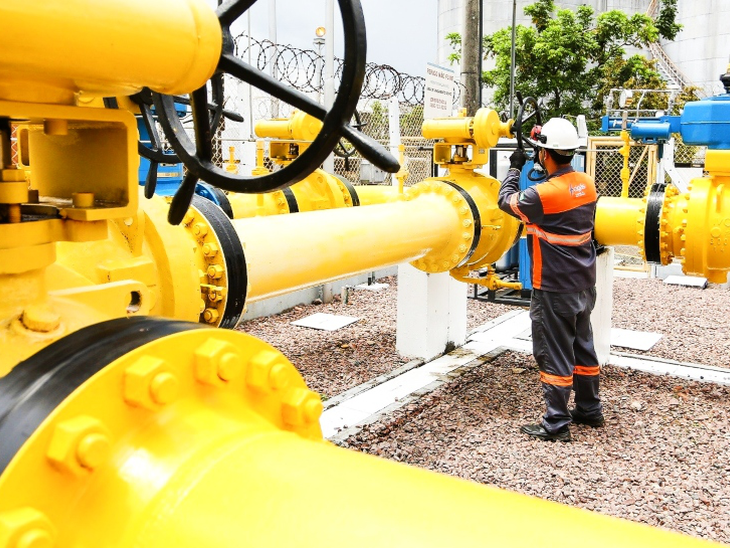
x=528 y=110
x=198 y=155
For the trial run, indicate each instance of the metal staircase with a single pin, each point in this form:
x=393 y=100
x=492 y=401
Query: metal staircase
x=675 y=78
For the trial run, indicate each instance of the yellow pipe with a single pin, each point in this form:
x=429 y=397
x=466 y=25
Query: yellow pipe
x=56 y=48
x=377 y=194
x=206 y=438
x=620 y=221
x=327 y=245
x=319 y=190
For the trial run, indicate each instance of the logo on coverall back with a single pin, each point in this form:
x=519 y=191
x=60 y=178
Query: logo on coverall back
x=578 y=190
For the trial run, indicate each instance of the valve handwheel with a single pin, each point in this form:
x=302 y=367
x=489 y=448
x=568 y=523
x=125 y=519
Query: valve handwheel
x=528 y=110
x=198 y=155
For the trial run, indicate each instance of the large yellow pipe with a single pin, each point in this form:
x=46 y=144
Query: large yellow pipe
x=327 y=245
x=101 y=47
x=326 y=496
x=619 y=221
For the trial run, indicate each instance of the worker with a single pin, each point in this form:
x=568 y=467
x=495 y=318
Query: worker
x=559 y=216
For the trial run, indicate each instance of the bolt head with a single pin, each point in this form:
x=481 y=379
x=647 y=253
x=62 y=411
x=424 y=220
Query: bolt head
x=210 y=249
x=215 y=271
x=26 y=528
x=301 y=407
x=218 y=362
x=40 y=318
x=150 y=383
x=200 y=229
x=79 y=445
x=259 y=374
x=211 y=315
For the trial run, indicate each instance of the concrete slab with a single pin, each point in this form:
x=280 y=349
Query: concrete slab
x=638 y=340
x=325 y=322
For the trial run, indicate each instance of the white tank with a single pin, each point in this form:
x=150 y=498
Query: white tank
x=702 y=48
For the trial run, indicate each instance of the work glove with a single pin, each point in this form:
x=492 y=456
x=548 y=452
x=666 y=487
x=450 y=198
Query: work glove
x=518 y=159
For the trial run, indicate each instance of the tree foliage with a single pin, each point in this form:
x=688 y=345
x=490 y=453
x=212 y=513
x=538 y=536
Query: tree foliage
x=569 y=60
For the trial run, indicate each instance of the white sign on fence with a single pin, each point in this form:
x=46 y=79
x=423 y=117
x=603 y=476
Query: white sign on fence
x=438 y=97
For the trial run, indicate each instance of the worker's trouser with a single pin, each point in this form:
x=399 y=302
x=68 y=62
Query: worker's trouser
x=562 y=343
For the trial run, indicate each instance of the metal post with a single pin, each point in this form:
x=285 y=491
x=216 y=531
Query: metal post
x=512 y=65
x=272 y=37
x=470 y=74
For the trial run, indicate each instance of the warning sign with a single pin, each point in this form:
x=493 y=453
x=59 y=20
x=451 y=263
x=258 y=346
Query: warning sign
x=439 y=95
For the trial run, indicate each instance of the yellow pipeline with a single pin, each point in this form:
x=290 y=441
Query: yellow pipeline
x=693 y=227
x=327 y=245
x=206 y=438
x=319 y=190
x=620 y=221
x=100 y=47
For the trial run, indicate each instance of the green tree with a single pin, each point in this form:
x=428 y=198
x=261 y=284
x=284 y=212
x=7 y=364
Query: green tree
x=569 y=60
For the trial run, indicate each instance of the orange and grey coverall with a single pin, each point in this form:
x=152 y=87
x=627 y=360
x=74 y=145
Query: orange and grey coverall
x=559 y=216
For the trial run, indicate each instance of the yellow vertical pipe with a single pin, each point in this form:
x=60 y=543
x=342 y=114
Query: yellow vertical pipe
x=54 y=48
x=279 y=490
x=625 y=151
x=619 y=221
x=341 y=242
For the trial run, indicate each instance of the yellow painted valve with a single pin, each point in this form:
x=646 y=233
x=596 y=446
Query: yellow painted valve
x=693 y=226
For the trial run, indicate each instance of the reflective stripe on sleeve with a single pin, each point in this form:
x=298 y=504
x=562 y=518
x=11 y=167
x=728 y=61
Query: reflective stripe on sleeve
x=559 y=239
x=513 y=205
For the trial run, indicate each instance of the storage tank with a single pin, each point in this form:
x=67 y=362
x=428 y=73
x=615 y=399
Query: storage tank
x=702 y=48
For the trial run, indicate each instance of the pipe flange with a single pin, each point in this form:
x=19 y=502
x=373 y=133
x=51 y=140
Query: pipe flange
x=349 y=194
x=652 y=241
x=459 y=249
x=224 y=277
x=128 y=406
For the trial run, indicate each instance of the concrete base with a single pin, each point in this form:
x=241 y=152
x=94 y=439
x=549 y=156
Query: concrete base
x=431 y=313
x=601 y=316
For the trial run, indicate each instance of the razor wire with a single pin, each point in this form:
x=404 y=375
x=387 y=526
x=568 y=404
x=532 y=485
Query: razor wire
x=302 y=70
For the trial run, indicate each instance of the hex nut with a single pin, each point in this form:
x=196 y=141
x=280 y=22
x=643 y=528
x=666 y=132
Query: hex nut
x=79 y=445
x=258 y=376
x=217 y=362
x=301 y=407
x=150 y=383
x=26 y=528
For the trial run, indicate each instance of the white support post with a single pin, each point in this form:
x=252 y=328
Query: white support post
x=601 y=316
x=431 y=313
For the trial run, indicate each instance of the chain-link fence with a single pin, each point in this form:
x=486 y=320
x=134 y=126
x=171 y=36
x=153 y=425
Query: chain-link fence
x=303 y=70
x=604 y=163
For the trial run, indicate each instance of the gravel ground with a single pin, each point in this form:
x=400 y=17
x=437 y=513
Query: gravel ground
x=334 y=361
x=662 y=458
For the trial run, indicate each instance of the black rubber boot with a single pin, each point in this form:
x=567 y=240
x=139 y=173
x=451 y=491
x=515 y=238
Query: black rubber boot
x=538 y=431
x=580 y=418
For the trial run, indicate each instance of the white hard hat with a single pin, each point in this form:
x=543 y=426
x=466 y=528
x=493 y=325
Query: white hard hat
x=560 y=135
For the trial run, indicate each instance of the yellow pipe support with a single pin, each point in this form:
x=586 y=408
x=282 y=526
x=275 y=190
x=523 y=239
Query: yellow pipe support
x=56 y=48
x=202 y=438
